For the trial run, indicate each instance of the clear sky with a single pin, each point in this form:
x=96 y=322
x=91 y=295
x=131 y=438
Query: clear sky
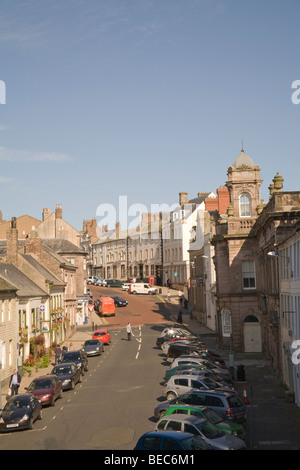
x=144 y=99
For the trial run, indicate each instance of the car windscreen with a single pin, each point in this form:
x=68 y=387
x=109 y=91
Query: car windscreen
x=20 y=402
x=38 y=384
x=62 y=370
x=69 y=357
x=92 y=342
x=210 y=430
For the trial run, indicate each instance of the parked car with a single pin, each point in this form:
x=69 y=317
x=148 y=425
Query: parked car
x=171 y=335
x=204 y=361
x=177 y=385
x=184 y=331
x=205 y=374
x=227 y=405
x=141 y=288
x=119 y=302
x=209 y=432
x=91 y=279
x=125 y=286
x=20 y=412
x=177 y=349
x=78 y=357
x=113 y=283
x=93 y=347
x=228 y=427
x=169 y=440
x=198 y=368
x=68 y=374
x=102 y=335
x=47 y=389
x=100 y=282
x=183 y=344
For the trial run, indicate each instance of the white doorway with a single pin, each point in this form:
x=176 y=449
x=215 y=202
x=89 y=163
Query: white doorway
x=252 y=334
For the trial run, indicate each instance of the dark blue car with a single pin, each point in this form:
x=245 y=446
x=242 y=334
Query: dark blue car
x=20 y=412
x=170 y=440
x=119 y=302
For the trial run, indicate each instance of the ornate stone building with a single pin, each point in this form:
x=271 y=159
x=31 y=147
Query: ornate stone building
x=247 y=277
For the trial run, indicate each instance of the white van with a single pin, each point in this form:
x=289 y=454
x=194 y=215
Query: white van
x=141 y=288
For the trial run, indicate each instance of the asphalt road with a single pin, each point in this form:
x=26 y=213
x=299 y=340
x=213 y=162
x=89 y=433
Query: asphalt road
x=114 y=404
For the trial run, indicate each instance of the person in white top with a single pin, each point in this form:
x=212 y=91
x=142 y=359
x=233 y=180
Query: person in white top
x=129 y=332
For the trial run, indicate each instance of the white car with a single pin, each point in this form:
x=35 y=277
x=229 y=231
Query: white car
x=125 y=286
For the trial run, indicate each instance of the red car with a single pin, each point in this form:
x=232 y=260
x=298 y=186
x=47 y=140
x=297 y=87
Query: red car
x=46 y=389
x=102 y=335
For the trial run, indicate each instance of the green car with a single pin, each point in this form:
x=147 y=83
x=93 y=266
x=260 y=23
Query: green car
x=203 y=412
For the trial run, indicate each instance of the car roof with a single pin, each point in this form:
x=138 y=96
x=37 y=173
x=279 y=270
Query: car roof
x=64 y=364
x=100 y=331
x=43 y=377
x=188 y=407
x=211 y=392
x=187 y=418
x=174 y=434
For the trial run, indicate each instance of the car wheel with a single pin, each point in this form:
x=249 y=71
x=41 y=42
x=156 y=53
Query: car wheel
x=170 y=396
x=134 y=292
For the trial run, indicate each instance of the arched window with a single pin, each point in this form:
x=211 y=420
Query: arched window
x=245 y=205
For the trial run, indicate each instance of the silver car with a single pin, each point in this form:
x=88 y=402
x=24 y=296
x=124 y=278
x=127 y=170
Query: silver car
x=208 y=431
x=177 y=385
x=93 y=347
x=216 y=368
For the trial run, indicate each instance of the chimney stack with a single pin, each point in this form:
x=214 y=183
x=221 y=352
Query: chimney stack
x=183 y=198
x=46 y=213
x=58 y=211
x=12 y=242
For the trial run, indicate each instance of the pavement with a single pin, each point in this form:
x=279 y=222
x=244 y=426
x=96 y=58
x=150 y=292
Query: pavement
x=273 y=420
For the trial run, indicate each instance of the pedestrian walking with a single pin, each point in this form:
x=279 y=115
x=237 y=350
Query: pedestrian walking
x=57 y=354
x=14 y=383
x=168 y=296
x=179 y=318
x=129 y=332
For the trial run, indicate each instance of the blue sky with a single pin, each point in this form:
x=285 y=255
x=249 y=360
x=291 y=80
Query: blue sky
x=144 y=99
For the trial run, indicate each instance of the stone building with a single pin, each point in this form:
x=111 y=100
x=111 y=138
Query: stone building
x=9 y=332
x=247 y=282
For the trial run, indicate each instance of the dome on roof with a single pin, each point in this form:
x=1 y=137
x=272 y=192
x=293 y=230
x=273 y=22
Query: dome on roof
x=243 y=159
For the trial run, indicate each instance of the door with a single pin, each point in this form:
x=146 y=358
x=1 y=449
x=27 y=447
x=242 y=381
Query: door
x=252 y=334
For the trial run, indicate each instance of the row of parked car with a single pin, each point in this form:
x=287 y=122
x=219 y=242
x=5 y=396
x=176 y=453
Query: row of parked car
x=21 y=411
x=201 y=410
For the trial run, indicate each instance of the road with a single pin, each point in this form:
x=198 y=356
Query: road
x=114 y=404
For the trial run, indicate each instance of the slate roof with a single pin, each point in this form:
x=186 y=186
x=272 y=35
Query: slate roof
x=43 y=271
x=6 y=286
x=26 y=287
x=62 y=246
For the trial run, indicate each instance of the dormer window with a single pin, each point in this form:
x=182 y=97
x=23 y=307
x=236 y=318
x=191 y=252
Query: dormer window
x=245 y=205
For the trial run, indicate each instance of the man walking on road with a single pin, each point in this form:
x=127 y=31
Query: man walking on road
x=129 y=332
